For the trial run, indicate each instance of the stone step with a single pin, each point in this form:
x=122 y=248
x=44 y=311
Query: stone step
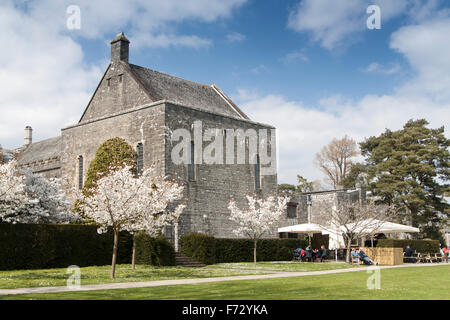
x=184 y=261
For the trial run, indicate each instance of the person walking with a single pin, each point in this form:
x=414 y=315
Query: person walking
x=446 y=253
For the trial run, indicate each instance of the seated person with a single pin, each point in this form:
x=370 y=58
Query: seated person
x=315 y=254
x=365 y=258
x=308 y=253
x=297 y=254
x=409 y=253
x=322 y=253
x=355 y=255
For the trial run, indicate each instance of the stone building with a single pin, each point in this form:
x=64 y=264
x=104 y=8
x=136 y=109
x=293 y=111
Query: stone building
x=317 y=207
x=145 y=107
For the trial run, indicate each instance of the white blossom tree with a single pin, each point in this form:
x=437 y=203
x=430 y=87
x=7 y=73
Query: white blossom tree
x=123 y=202
x=155 y=215
x=354 y=220
x=12 y=191
x=259 y=218
x=26 y=197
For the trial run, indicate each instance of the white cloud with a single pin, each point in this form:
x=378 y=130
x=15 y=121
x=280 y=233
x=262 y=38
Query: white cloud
x=260 y=69
x=376 y=67
x=337 y=23
x=295 y=56
x=44 y=79
x=169 y=40
x=303 y=130
x=235 y=37
x=153 y=17
x=426 y=47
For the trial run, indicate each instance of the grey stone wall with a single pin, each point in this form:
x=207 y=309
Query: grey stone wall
x=208 y=196
x=49 y=168
x=207 y=208
x=118 y=91
x=142 y=125
x=322 y=204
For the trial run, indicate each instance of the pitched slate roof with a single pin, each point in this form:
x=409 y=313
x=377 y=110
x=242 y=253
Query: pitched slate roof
x=41 y=150
x=161 y=86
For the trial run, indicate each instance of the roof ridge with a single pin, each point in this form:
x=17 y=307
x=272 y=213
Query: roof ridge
x=171 y=75
x=45 y=140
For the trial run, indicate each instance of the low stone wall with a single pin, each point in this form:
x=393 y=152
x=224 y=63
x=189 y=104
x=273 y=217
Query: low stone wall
x=385 y=256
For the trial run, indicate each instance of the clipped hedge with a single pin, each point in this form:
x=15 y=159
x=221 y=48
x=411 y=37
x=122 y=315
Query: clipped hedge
x=422 y=246
x=32 y=246
x=209 y=250
x=154 y=251
x=199 y=246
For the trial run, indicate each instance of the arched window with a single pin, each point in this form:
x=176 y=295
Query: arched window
x=257 y=173
x=140 y=159
x=80 y=172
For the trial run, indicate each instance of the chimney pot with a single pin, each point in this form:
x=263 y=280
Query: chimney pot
x=28 y=135
x=120 y=47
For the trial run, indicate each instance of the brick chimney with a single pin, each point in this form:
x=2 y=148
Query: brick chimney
x=28 y=136
x=120 y=48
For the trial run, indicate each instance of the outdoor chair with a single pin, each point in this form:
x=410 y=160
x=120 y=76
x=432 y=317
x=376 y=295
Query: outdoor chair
x=355 y=260
x=438 y=257
x=414 y=258
x=435 y=257
x=429 y=258
x=421 y=257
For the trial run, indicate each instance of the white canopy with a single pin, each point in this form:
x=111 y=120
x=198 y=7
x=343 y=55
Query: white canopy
x=309 y=228
x=376 y=226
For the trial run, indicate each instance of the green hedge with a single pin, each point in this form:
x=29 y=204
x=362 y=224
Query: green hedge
x=200 y=247
x=31 y=246
x=209 y=250
x=422 y=246
x=154 y=251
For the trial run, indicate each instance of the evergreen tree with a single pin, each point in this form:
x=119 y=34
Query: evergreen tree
x=410 y=168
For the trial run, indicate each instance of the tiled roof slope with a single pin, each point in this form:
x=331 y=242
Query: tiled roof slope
x=162 y=86
x=41 y=150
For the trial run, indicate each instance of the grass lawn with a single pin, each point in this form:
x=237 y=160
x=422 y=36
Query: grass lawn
x=281 y=266
x=124 y=273
x=401 y=283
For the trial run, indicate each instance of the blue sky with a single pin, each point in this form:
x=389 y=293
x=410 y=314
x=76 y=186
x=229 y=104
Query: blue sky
x=268 y=56
x=309 y=67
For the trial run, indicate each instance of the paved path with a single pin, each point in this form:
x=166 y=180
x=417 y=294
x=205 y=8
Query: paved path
x=128 y=285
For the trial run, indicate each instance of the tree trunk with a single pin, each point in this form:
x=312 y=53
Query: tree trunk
x=133 y=254
x=349 y=248
x=114 y=256
x=254 y=252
